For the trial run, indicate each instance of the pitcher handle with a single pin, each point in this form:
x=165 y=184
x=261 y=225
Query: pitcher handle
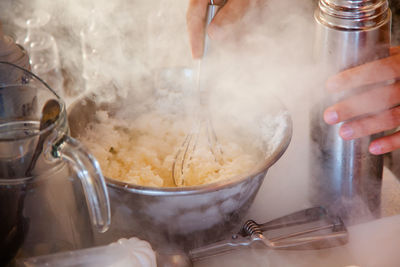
x=88 y=170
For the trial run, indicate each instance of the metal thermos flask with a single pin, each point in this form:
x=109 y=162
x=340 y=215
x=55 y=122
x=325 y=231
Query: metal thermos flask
x=346 y=178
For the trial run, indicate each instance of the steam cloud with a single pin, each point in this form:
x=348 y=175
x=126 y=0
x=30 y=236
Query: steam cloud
x=127 y=42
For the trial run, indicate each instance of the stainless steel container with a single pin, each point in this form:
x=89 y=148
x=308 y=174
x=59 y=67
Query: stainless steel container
x=346 y=178
x=186 y=217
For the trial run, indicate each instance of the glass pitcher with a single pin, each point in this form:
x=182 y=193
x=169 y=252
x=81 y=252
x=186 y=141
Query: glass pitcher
x=49 y=202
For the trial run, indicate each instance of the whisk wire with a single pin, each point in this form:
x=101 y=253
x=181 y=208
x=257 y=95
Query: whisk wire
x=184 y=154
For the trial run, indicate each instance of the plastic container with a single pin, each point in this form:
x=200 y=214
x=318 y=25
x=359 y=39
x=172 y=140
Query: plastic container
x=123 y=253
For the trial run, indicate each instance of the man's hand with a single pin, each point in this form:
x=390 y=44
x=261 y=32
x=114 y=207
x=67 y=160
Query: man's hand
x=219 y=28
x=371 y=111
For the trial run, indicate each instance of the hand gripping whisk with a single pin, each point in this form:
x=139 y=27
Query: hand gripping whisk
x=202 y=125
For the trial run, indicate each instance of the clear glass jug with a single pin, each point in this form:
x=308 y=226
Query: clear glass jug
x=55 y=205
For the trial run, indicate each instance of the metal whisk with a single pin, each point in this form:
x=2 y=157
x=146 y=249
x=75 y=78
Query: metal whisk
x=203 y=125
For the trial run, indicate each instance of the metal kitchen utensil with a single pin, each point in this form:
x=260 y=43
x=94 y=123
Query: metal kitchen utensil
x=347 y=178
x=50 y=113
x=311 y=228
x=202 y=124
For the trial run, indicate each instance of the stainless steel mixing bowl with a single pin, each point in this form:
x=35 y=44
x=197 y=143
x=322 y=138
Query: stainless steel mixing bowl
x=185 y=217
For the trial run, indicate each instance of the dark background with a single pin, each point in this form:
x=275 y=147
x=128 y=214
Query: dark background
x=395 y=7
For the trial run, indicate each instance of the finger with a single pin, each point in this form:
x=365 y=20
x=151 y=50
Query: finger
x=366 y=74
x=385 y=144
x=371 y=101
x=195 y=18
x=230 y=13
x=383 y=121
x=394 y=50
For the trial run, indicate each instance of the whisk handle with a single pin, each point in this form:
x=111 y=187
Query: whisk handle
x=212 y=10
x=222 y=247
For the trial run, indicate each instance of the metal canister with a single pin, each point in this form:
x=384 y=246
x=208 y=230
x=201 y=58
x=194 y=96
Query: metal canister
x=346 y=177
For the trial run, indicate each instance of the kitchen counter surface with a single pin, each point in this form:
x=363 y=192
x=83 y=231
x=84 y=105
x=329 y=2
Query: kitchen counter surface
x=373 y=243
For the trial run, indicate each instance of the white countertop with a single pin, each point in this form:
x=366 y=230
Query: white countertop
x=372 y=244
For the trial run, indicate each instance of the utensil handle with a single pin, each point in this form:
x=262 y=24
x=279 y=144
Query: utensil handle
x=225 y=246
x=88 y=170
x=212 y=10
x=296 y=218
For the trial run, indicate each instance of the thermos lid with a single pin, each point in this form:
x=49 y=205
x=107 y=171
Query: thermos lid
x=353 y=15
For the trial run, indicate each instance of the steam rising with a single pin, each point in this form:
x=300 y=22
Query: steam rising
x=127 y=44
x=124 y=43
x=115 y=50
